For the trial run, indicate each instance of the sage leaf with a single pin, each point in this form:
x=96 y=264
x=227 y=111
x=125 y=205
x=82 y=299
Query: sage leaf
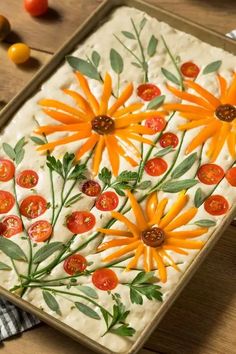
x=4 y=266
x=144 y=185
x=51 y=302
x=73 y=200
x=212 y=67
x=205 y=223
x=152 y=45
x=9 y=151
x=90 y=292
x=116 y=61
x=169 y=76
x=96 y=58
x=164 y=151
x=127 y=176
x=19 y=156
x=84 y=67
x=142 y=24
x=46 y=251
x=128 y=34
x=177 y=186
x=37 y=140
x=12 y=250
x=88 y=311
x=19 y=145
x=198 y=198
x=184 y=166
x=156 y=102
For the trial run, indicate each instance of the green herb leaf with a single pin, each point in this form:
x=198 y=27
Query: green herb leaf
x=19 y=156
x=73 y=200
x=12 y=250
x=4 y=266
x=177 y=186
x=55 y=165
x=116 y=61
x=198 y=198
x=67 y=162
x=144 y=185
x=142 y=24
x=96 y=58
x=135 y=297
x=105 y=315
x=184 y=166
x=78 y=172
x=169 y=76
x=212 y=67
x=37 y=140
x=88 y=311
x=90 y=292
x=128 y=34
x=120 y=192
x=156 y=102
x=127 y=176
x=205 y=223
x=19 y=145
x=123 y=331
x=51 y=302
x=46 y=251
x=164 y=151
x=9 y=151
x=143 y=277
x=84 y=67
x=137 y=65
x=105 y=176
x=152 y=46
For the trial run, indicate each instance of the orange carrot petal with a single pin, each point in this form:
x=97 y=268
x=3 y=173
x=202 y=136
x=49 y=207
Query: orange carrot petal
x=62 y=117
x=224 y=131
x=231 y=141
x=138 y=212
x=90 y=97
x=201 y=137
x=196 y=123
x=130 y=225
x=186 y=108
x=174 y=210
x=82 y=103
x=112 y=232
x=114 y=158
x=129 y=109
x=196 y=116
x=186 y=234
x=138 y=138
x=163 y=253
x=185 y=243
x=140 y=129
x=215 y=102
x=121 y=252
x=98 y=155
x=151 y=205
x=159 y=212
x=182 y=219
x=123 y=153
x=89 y=145
x=223 y=87
x=50 y=129
x=129 y=119
x=49 y=103
x=125 y=95
x=63 y=141
x=212 y=145
x=160 y=265
x=114 y=243
x=134 y=261
x=107 y=89
x=231 y=94
x=123 y=138
x=175 y=249
x=145 y=260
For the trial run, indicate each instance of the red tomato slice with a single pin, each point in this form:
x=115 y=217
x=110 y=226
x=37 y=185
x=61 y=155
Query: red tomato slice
x=105 y=279
x=3 y=229
x=216 y=205
x=33 y=206
x=190 y=69
x=169 y=139
x=231 y=176
x=13 y=225
x=155 y=166
x=27 y=179
x=91 y=188
x=107 y=201
x=210 y=173
x=7 y=202
x=7 y=170
x=75 y=264
x=156 y=123
x=80 y=221
x=40 y=231
x=36 y=7
x=148 y=91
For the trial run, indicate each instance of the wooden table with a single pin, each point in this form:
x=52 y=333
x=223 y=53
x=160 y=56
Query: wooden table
x=203 y=319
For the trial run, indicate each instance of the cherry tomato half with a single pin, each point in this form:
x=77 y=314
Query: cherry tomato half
x=40 y=231
x=2 y=229
x=105 y=279
x=27 y=179
x=80 y=221
x=19 y=53
x=156 y=166
x=75 y=264
x=231 y=176
x=107 y=201
x=33 y=206
x=7 y=170
x=13 y=226
x=189 y=69
x=36 y=7
x=216 y=205
x=7 y=202
x=157 y=123
x=169 y=139
x=210 y=173
x=148 y=91
x=91 y=188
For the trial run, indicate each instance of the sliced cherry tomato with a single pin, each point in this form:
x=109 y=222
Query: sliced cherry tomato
x=3 y=229
x=13 y=225
x=107 y=201
x=40 y=231
x=210 y=173
x=216 y=205
x=75 y=264
x=105 y=279
x=156 y=166
x=27 y=179
x=91 y=188
x=36 y=7
x=231 y=176
x=189 y=69
x=7 y=170
x=148 y=91
x=33 y=206
x=157 y=123
x=169 y=139
x=7 y=202
x=80 y=221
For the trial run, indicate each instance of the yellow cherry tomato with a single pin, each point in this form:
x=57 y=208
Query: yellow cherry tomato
x=19 y=53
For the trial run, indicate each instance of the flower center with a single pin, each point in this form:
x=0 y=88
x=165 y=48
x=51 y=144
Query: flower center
x=103 y=125
x=226 y=112
x=153 y=237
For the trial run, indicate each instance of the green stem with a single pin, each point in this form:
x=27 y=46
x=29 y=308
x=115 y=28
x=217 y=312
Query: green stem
x=144 y=63
x=129 y=50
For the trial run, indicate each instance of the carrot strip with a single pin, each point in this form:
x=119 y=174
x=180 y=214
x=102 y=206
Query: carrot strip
x=231 y=141
x=50 y=129
x=196 y=123
x=129 y=159
x=129 y=109
x=140 y=129
x=174 y=210
x=49 y=103
x=114 y=243
x=215 y=102
x=129 y=119
x=124 y=139
x=98 y=155
x=224 y=131
x=111 y=145
x=138 y=212
x=182 y=219
x=223 y=87
x=151 y=205
x=163 y=253
x=159 y=212
x=129 y=248
x=125 y=95
x=201 y=137
x=63 y=141
x=231 y=94
x=137 y=137
x=175 y=249
x=145 y=260
x=150 y=258
x=185 y=243
x=112 y=232
x=212 y=145
x=186 y=234
x=82 y=103
x=90 y=97
x=134 y=261
x=107 y=90
x=160 y=265
x=130 y=225
x=186 y=108
x=89 y=145
x=62 y=117
x=196 y=116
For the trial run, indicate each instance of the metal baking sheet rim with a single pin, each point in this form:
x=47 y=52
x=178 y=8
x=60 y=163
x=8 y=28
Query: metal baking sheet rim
x=6 y=114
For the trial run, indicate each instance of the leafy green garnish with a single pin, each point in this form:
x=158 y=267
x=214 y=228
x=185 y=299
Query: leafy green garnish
x=67 y=169
x=4 y=266
x=198 y=198
x=17 y=153
x=169 y=76
x=51 y=302
x=116 y=61
x=129 y=35
x=212 y=67
x=105 y=176
x=177 y=186
x=184 y=166
x=46 y=251
x=95 y=58
x=205 y=223
x=152 y=45
x=87 y=290
x=37 y=140
x=156 y=102
x=73 y=200
x=86 y=68
x=144 y=185
x=164 y=151
x=12 y=250
x=88 y=311
x=142 y=24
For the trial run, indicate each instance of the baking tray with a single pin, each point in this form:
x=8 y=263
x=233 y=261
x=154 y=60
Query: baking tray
x=182 y=24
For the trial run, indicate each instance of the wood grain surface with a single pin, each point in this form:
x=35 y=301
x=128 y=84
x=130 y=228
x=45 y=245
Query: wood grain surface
x=203 y=319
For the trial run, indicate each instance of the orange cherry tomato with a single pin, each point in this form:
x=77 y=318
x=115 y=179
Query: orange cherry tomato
x=7 y=202
x=105 y=279
x=12 y=225
x=210 y=173
x=169 y=139
x=148 y=91
x=80 y=221
x=91 y=188
x=40 y=231
x=27 y=179
x=75 y=264
x=155 y=166
x=189 y=69
x=33 y=206
x=216 y=205
x=36 y=7
x=156 y=123
x=7 y=170
x=107 y=201
x=19 y=53
x=231 y=176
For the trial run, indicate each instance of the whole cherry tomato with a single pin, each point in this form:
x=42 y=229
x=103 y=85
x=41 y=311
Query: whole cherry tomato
x=36 y=7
